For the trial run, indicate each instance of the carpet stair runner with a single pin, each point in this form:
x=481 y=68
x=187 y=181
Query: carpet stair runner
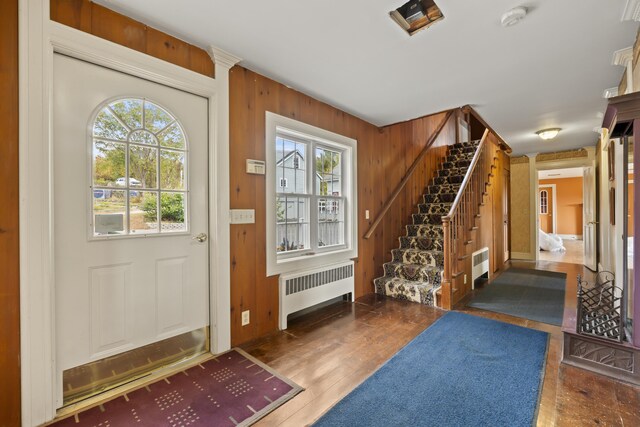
x=415 y=271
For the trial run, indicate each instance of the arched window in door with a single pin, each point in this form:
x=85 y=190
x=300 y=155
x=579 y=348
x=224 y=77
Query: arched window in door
x=139 y=170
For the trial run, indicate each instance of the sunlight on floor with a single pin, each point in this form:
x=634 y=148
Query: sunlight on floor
x=573 y=255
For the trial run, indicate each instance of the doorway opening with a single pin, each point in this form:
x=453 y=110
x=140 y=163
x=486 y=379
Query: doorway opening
x=560 y=206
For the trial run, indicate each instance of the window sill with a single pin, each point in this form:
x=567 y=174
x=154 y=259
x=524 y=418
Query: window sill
x=304 y=262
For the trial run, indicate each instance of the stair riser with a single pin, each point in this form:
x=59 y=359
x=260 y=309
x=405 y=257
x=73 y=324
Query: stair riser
x=431 y=259
x=426 y=230
x=456 y=164
x=439 y=208
x=439 y=198
x=452 y=172
x=408 y=272
x=444 y=180
x=459 y=157
x=444 y=189
x=421 y=243
x=459 y=145
x=428 y=218
x=461 y=151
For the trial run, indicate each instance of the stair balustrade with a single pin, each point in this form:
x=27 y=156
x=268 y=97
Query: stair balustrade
x=458 y=225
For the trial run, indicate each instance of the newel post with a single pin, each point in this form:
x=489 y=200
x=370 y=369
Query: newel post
x=446 y=280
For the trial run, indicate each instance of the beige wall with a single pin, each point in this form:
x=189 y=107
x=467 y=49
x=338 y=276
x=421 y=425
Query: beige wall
x=520 y=206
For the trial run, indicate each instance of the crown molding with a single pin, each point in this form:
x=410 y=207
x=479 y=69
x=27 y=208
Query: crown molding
x=610 y=92
x=222 y=57
x=631 y=11
x=623 y=56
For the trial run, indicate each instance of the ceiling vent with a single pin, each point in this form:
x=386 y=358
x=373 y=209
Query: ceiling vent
x=416 y=15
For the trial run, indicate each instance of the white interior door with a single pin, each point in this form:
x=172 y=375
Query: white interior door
x=130 y=198
x=589 y=217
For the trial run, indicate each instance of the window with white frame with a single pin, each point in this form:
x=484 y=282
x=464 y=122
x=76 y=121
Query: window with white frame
x=312 y=217
x=138 y=170
x=544 y=202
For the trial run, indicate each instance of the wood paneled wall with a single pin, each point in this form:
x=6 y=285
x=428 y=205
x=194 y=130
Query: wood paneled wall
x=107 y=24
x=384 y=155
x=9 y=218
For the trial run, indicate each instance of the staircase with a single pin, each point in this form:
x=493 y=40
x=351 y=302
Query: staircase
x=415 y=272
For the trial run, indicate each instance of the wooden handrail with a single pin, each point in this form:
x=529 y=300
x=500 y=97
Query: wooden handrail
x=467 y=177
x=469 y=109
x=413 y=166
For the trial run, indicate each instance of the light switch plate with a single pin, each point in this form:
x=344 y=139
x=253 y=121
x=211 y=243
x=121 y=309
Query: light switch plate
x=243 y=216
x=366 y=214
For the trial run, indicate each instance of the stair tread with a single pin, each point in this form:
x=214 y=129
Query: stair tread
x=414 y=265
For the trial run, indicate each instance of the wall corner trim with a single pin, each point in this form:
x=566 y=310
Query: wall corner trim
x=631 y=11
x=222 y=57
x=622 y=57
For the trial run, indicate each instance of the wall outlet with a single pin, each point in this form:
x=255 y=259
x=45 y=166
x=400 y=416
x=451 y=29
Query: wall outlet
x=465 y=279
x=245 y=318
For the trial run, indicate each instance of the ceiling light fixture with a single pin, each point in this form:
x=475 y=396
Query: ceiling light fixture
x=547 y=134
x=513 y=16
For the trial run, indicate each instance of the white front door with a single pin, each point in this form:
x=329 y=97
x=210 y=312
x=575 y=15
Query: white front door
x=130 y=198
x=589 y=217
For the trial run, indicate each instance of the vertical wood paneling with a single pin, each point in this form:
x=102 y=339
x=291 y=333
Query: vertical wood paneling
x=169 y=48
x=107 y=24
x=73 y=13
x=384 y=155
x=9 y=214
x=117 y=28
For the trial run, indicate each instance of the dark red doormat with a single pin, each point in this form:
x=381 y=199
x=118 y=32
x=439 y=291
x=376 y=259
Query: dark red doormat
x=233 y=389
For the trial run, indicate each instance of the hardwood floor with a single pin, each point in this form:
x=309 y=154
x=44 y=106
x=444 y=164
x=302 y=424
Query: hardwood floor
x=574 y=253
x=332 y=350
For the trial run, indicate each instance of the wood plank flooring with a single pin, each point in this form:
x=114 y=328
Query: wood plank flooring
x=332 y=350
x=574 y=253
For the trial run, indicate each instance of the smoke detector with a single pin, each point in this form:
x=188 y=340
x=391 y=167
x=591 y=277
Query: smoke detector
x=513 y=16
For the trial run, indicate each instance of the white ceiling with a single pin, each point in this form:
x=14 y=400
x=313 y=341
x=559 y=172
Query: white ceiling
x=550 y=70
x=560 y=173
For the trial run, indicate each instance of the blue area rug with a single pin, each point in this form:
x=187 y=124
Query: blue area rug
x=531 y=294
x=461 y=371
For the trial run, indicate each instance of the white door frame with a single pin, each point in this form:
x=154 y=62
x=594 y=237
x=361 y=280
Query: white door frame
x=554 y=204
x=588 y=161
x=39 y=38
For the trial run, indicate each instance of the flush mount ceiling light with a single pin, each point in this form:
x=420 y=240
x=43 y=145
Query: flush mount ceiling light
x=547 y=134
x=513 y=16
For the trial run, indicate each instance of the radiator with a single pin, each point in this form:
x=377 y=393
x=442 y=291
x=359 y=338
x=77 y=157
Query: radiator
x=480 y=265
x=304 y=289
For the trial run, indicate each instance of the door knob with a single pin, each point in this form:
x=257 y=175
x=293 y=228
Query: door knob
x=202 y=237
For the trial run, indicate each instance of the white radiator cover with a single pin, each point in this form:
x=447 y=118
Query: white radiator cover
x=303 y=289
x=479 y=264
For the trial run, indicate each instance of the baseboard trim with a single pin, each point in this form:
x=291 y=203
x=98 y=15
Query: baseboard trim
x=523 y=255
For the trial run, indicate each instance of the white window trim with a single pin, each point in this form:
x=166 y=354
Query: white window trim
x=348 y=146
x=544 y=205
x=127 y=234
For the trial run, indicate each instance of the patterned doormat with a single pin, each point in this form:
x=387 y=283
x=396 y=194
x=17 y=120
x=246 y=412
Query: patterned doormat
x=233 y=389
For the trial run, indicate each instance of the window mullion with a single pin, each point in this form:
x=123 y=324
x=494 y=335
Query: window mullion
x=313 y=199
